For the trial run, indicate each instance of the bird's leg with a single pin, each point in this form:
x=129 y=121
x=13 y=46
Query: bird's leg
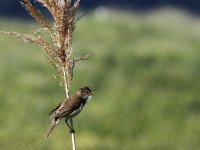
x=71 y=130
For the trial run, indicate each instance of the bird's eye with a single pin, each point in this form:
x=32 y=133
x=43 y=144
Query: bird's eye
x=87 y=91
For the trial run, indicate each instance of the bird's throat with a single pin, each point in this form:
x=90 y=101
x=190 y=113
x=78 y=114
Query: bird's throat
x=89 y=98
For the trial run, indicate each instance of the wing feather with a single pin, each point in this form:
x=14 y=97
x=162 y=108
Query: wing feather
x=67 y=107
x=55 y=109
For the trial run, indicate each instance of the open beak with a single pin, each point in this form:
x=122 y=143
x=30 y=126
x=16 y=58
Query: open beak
x=93 y=92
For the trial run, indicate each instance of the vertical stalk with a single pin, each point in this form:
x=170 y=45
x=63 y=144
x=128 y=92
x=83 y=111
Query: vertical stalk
x=73 y=135
x=71 y=121
x=65 y=83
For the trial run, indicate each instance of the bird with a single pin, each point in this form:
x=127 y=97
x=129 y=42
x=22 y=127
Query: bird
x=70 y=107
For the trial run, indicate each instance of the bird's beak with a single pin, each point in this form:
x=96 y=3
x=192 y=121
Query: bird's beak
x=93 y=92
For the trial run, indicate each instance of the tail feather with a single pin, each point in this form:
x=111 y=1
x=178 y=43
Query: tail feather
x=52 y=126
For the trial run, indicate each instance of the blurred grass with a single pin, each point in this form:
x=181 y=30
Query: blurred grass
x=147 y=70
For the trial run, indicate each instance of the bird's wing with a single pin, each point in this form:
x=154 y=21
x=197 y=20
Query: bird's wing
x=55 y=109
x=67 y=107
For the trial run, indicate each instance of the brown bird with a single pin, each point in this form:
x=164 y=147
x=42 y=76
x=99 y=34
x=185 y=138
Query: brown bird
x=70 y=107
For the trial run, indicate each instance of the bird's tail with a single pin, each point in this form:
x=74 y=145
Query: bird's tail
x=52 y=126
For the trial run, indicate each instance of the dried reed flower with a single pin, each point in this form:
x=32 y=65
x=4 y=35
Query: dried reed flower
x=59 y=54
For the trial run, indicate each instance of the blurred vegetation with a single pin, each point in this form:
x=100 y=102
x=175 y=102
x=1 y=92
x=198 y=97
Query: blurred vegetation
x=147 y=70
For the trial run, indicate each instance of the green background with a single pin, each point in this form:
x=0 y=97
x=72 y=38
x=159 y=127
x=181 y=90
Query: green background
x=146 y=70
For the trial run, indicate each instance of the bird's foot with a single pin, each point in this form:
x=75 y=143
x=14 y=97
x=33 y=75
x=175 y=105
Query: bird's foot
x=72 y=131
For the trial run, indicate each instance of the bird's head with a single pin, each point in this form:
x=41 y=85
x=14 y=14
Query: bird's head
x=85 y=92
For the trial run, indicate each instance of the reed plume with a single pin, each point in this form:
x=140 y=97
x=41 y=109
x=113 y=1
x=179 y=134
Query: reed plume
x=59 y=53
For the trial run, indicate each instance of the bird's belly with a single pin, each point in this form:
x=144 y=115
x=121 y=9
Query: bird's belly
x=74 y=113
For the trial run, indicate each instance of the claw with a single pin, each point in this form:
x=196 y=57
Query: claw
x=72 y=131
